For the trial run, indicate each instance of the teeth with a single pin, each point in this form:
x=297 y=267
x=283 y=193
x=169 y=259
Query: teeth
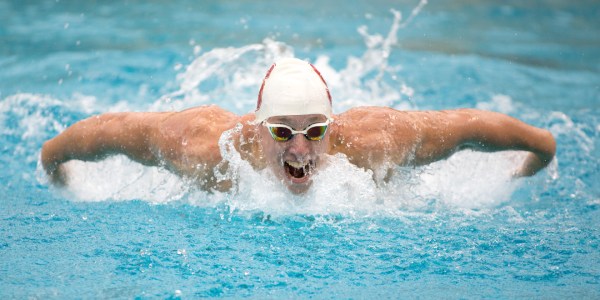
x=297 y=165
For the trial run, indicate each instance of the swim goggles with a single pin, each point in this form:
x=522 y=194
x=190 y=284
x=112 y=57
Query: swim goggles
x=282 y=133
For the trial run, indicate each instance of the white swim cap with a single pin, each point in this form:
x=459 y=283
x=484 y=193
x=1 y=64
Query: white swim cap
x=292 y=87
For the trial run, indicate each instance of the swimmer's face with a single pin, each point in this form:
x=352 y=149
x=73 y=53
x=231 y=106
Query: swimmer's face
x=294 y=161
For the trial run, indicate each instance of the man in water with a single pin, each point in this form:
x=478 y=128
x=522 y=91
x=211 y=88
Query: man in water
x=291 y=132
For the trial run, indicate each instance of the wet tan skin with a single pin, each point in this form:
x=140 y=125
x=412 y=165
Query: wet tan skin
x=374 y=138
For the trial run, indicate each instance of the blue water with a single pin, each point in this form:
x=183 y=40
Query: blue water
x=459 y=228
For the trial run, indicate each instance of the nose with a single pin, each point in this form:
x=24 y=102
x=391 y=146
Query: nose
x=299 y=146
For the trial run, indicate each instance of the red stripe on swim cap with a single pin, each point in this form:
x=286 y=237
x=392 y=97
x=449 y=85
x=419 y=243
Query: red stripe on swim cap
x=322 y=79
x=260 y=92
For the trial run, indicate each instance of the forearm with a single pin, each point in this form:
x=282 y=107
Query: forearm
x=97 y=137
x=542 y=147
x=497 y=132
x=68 y=145
x=443 y=133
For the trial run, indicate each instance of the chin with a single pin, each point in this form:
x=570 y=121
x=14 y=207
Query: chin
x=298 y=189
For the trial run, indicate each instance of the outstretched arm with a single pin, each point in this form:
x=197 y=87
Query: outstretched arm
x=97 y=137
x=374 y=136
x=449 y=131
x=186 y=142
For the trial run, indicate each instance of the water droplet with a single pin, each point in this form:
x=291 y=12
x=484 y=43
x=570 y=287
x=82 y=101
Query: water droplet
x=197 y=49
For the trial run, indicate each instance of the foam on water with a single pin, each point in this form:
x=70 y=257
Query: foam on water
x=117 y=178
x=230 y=77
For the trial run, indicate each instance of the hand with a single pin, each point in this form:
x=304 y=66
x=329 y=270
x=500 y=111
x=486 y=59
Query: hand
x=58 y=176
x=532 y=164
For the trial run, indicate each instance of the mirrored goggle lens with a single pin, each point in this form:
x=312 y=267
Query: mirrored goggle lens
x=280 y=133
x=316 y=133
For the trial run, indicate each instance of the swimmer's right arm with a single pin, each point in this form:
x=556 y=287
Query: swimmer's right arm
x=185 y=143
x=99 y=136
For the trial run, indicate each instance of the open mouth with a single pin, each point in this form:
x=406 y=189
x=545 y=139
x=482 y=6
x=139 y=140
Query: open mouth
x=297 y=170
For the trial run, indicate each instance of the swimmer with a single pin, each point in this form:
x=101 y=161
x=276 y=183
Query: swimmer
x=291 y=132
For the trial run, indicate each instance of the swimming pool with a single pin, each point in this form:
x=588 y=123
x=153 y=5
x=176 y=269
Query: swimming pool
x=459 y=228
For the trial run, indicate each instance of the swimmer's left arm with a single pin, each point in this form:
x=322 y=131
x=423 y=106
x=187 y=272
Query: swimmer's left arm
x=449 y=131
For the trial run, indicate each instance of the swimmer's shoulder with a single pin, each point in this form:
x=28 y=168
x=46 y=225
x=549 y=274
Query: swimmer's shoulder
x=213 y=115
x=207 y=111
x=371 y=124
x=199 y=121
x=369 y=114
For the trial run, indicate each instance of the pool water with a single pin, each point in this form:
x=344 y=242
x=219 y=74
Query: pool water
x=459 y=228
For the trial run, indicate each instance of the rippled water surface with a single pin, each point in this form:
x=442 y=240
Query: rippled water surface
x=459 y=228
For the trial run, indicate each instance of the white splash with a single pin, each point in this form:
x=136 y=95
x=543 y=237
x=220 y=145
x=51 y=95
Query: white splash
x=117 y=178
x=228 y=76
x=470 y=179
x=30 y=117
x=500 y=103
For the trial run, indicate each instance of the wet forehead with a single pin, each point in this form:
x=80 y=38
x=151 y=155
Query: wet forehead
x=299 y=121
